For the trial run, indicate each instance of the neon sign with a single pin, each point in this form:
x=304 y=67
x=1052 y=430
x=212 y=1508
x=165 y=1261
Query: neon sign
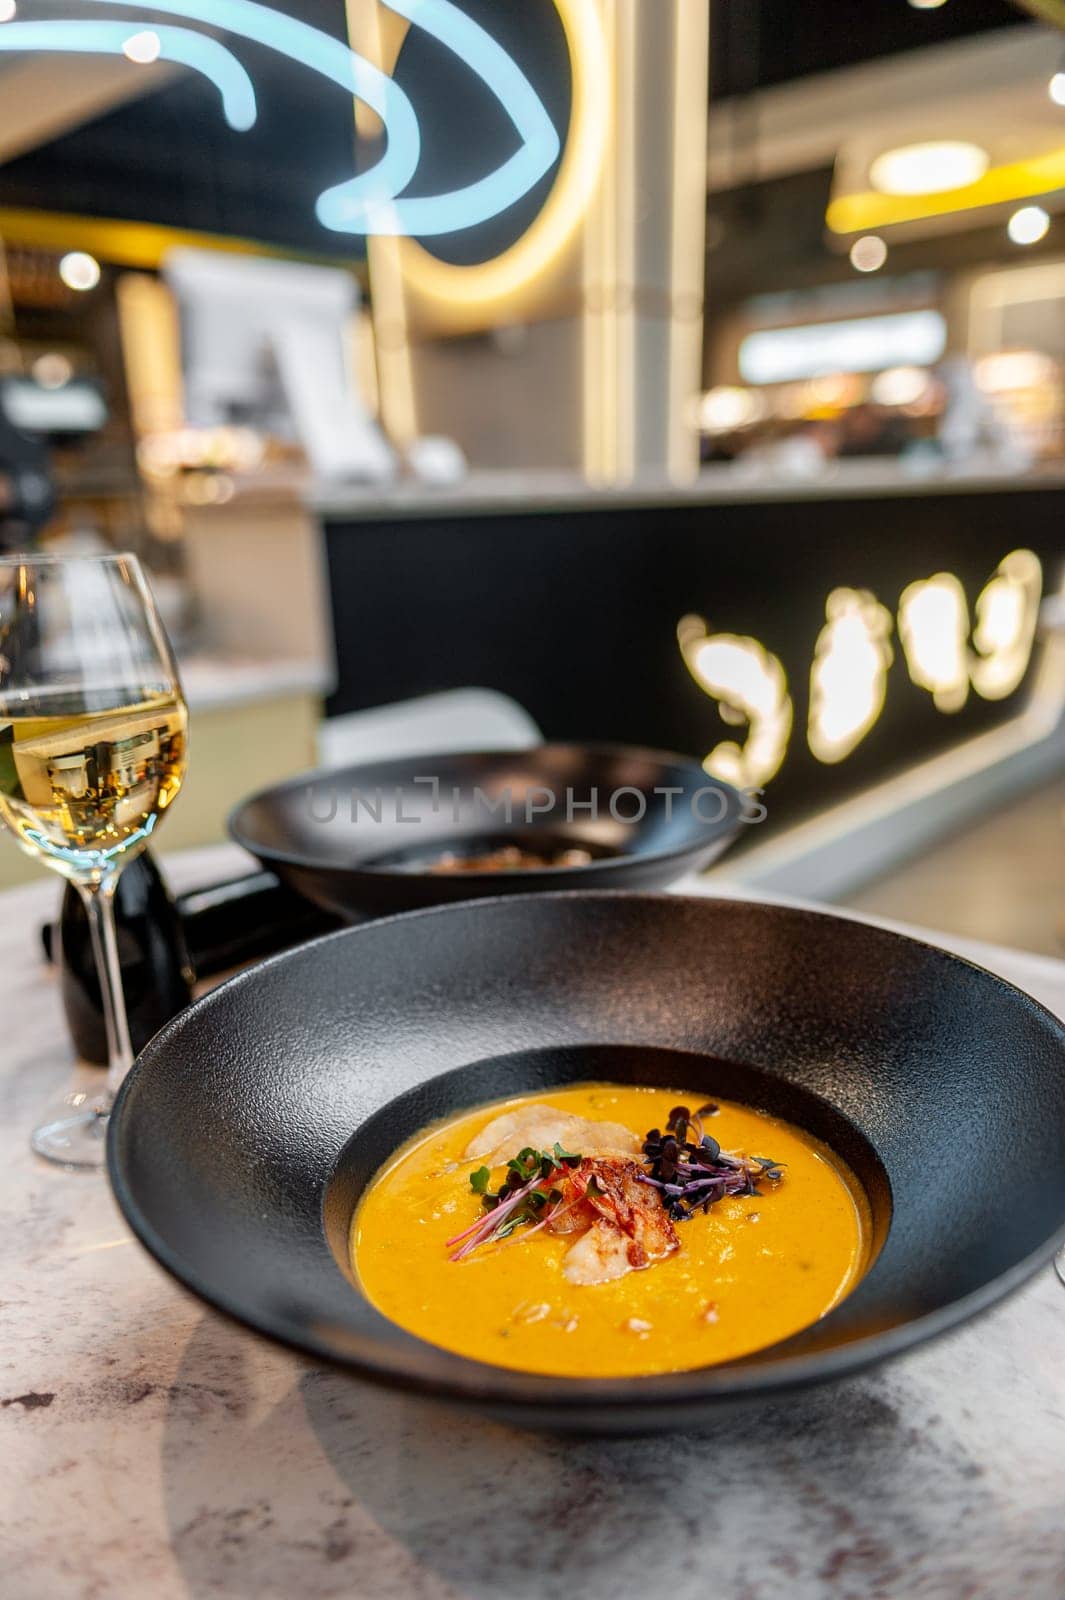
x=848 y=678
x=934 y=628
x=372 y=202
x=750 y=685
x=206 y=56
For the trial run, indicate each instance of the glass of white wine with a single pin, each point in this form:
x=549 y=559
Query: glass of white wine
x=93 y=743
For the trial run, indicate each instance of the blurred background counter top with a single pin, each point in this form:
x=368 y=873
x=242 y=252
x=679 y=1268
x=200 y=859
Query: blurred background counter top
x=516 y=492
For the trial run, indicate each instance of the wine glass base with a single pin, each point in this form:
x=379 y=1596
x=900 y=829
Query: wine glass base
x=76 y=1139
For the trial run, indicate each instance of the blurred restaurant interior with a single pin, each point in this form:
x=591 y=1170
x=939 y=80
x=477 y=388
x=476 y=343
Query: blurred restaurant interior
x=741 y=433
x=626 y=440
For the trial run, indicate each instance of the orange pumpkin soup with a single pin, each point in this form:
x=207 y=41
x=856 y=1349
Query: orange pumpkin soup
x=581 y=1259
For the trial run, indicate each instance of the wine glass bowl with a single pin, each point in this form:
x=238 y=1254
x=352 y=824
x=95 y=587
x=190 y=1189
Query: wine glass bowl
x=89 y=785
x=93 y=749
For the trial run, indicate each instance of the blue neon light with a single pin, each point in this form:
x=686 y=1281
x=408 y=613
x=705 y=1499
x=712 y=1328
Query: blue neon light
x=91 y=859
x=329 y=58
x=345 y=208
x=371 y=203
x=193 y=50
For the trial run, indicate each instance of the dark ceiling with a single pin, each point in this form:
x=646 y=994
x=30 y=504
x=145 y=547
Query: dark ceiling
x=770 y=236
x=170 y=158
x=757 y=43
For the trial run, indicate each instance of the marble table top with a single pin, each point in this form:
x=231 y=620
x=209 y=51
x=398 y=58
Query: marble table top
x=150 y=1450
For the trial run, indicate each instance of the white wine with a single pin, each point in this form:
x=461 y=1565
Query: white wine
x=93 y=746
x=83 y=788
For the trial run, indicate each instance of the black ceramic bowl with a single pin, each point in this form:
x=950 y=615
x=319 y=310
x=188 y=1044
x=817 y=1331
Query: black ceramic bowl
x=243 y=1138
x=359 y=840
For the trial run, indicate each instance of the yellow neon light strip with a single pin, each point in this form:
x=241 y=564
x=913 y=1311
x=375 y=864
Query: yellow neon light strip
x=1017 y=180
x=6 y=309
x=150 y=337
x=690 y=97
x=397 y=407
x=625 y=225
x=595 y=246
x=134 y=244
x=488 y=286
x=605 y=286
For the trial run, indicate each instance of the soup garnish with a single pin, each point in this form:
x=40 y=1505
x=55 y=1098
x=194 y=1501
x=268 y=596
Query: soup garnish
x=604 y=1199
x=528 y=1194
x=521 y=1234
x=693 y=1174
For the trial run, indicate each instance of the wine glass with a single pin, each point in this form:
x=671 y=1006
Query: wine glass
x=93 y=741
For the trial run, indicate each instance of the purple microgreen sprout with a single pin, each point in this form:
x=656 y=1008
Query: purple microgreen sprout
x=693 y=1173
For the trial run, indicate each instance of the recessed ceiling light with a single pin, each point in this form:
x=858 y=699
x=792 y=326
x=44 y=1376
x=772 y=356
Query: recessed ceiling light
x=900 y=386
x=79 y=270
x=930 y=168
x=1008 y=370
x=927 y=5
x=143 y=48
x=728 y=407
x=1056 y=88
x=868 y=253
x=52 y=370
x=1028 y=225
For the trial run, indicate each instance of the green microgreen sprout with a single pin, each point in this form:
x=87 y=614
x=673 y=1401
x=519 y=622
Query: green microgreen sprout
x=528 y=1196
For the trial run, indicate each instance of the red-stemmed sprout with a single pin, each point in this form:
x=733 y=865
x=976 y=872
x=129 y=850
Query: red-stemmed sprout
x=527 y=1195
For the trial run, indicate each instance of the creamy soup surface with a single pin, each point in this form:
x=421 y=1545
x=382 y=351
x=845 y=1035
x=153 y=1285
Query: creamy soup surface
x=752 y=1271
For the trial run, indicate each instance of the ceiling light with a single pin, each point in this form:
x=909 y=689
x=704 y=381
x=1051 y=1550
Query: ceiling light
x=868 y=253
x=7 y=10
x=52 y=370
x=927 y=5
x=1028 y=225
x=928 y=168
x=862 y=344
x=143 y=48
x=900 y=386
x=79 y=271
x=728 y=407
x=1009 y=370
x=1056 y=88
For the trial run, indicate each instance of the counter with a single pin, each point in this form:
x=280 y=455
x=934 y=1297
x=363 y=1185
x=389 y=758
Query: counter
x=794 y=635
x=515 y=492
x=148 y=1447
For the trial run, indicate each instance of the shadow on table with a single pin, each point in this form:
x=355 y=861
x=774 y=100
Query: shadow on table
x=339 y=1488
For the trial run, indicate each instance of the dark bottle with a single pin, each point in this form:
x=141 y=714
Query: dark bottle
x=157 y=974
x=165 y=945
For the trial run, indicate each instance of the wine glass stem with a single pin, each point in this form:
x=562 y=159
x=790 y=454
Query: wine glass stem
x=99 y=900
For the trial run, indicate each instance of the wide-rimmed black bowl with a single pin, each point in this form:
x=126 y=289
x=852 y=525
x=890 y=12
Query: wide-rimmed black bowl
x=360 y=840
x=244 y=1136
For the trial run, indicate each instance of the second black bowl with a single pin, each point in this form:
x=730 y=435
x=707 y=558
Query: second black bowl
x=362 y=840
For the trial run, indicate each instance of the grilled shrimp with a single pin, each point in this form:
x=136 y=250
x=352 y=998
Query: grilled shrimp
x=630 y=1228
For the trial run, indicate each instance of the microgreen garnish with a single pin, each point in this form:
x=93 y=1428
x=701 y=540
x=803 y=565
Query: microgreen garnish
x=691 y=1171
x=527 y=1195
